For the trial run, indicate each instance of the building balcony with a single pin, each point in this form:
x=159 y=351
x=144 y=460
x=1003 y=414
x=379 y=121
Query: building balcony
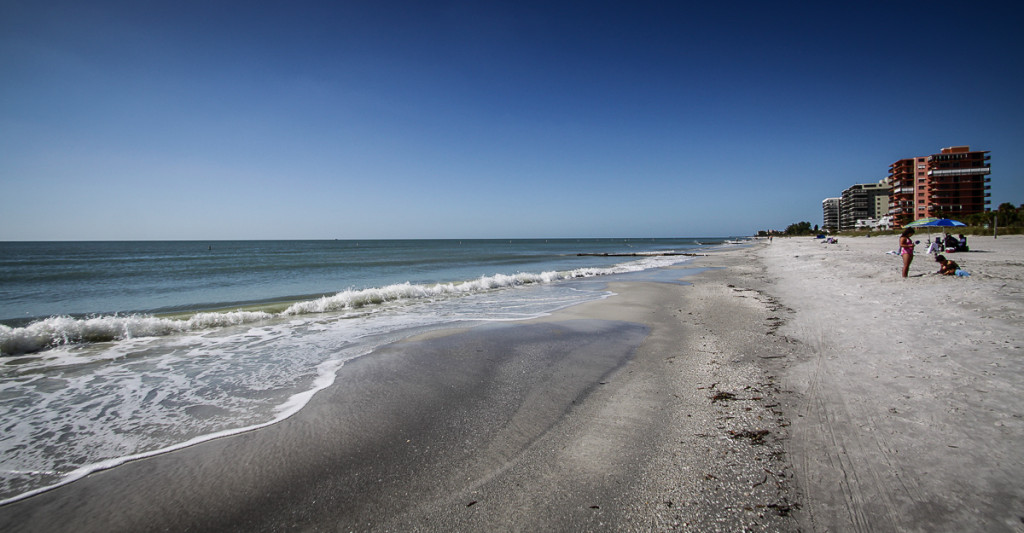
x=960 y=172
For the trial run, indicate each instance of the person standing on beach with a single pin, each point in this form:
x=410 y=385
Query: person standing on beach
x=907 y=249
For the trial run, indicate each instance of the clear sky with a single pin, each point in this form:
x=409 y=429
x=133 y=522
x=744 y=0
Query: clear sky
x=383 y=119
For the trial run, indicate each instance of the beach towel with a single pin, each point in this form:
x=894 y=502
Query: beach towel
x=962 y=273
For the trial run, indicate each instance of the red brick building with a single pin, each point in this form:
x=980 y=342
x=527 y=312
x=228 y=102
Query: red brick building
x=952 y=183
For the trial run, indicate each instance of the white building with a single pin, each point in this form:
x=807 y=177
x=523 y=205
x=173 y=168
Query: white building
x=830 y=211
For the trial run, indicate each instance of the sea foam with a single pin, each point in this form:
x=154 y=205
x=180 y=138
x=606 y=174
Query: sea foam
x=65 y=330
x=165 y=383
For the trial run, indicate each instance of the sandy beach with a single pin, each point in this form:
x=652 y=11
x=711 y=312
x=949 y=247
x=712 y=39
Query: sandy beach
x=904 y=394
x=780 y=387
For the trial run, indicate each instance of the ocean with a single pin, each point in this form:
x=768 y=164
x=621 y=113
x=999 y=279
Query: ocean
x=113 y=351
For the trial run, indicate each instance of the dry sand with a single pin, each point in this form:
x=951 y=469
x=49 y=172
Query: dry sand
x=801 y=387
x=907 y=395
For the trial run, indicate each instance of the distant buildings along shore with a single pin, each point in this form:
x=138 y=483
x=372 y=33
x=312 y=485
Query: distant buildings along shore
x=952 y=183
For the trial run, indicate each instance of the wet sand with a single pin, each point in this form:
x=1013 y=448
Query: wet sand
x=649 y=410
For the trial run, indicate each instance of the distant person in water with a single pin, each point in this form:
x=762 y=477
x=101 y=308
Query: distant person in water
x=946 y=267
x=907 y=249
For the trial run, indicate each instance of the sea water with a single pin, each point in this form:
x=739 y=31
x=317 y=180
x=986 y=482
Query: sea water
x=113 y=351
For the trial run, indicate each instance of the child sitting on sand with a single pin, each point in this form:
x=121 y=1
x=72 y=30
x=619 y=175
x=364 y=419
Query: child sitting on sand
x=946 y=267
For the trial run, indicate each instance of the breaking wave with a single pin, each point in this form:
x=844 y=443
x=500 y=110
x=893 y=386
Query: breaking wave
x=65 y=330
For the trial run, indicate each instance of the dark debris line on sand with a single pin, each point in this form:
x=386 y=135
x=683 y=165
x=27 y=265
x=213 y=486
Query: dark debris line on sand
x=733 y=472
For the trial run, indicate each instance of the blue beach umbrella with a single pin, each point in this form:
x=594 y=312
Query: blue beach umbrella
x=935 y=223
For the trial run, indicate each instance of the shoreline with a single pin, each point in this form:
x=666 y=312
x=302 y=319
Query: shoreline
x=495 y=427
x=789 y=386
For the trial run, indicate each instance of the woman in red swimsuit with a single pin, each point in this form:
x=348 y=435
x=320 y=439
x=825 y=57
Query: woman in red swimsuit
x=907 y=249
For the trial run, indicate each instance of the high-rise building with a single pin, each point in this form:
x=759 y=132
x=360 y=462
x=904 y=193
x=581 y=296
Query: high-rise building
x=908 y=179
x=951 y=183
x=830 y=211
x=863 y=201
x=959 y=182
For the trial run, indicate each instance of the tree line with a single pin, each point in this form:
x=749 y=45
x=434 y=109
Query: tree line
x=1006 y=216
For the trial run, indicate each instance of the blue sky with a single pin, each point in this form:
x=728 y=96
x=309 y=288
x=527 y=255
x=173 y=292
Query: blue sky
x=381 y=119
